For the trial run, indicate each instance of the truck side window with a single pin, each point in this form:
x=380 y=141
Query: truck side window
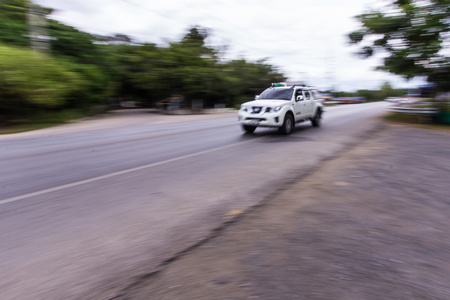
x=307 y=95
x=298 y=93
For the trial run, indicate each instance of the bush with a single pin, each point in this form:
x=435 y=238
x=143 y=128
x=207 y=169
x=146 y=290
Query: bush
x=94 y=88
x=32 y=79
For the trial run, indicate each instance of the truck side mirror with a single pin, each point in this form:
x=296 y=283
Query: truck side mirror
x=299 y=98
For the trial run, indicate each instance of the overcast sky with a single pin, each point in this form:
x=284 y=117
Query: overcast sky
x=306 y=40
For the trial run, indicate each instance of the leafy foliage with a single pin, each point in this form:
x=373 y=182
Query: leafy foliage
x=189 y=68
x=13 y=23
x=68 y=41
x=385 y=91
x=82 y=70
x=413 y=34
x=252 y=78
x=31 y=79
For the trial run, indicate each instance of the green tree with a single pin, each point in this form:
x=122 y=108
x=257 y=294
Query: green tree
x=189 y=68
x=195 y=37
x=413 y=34
x=14 y=26
x=142 y=72
x=69 y=41
x=94 y=88
x=34 y=80
x=252 y=78
x=197 y=74
x=13 y=23
x=64 y=40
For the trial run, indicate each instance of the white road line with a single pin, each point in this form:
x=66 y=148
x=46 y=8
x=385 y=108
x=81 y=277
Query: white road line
x=65 y=186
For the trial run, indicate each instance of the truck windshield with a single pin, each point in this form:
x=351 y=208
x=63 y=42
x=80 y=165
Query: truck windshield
x=281 y=94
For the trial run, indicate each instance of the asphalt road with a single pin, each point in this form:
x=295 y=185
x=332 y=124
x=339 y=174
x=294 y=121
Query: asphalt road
x=88 y=208
x=369 y=224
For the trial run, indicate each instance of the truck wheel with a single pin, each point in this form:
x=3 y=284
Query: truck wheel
x=249 y=129
x=315 y=121
x=288 y=125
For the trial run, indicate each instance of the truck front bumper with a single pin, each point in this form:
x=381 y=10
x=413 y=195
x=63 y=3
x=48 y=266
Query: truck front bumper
x=265 y=120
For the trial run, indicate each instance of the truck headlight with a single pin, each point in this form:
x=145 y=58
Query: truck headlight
x=277 y=108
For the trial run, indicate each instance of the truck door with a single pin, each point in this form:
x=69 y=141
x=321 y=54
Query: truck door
x=299 y=104
x=309 y=103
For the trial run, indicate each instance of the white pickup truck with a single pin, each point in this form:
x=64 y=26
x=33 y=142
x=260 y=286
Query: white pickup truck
x=281 y=106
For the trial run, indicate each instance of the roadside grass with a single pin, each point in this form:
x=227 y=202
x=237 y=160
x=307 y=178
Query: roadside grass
x=40 y=120
x=414 y=120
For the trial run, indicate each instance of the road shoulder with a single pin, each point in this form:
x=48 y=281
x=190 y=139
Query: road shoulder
x=369 y=224
x=119 y=119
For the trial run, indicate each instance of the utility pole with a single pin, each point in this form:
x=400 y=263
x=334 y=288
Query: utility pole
x=37 y=28
x=330 y=65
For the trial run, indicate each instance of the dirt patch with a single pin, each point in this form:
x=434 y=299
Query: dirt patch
x=370 y=224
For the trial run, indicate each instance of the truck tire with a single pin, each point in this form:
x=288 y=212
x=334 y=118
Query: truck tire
x=249 y=129
x=315 y=121
x=288 y=125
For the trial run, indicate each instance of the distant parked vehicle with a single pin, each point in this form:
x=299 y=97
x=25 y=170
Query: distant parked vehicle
x=403 y=100
x=391 y=99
